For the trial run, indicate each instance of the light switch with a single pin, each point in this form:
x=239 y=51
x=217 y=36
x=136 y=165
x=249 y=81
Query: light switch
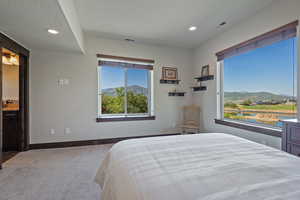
x=60 y=82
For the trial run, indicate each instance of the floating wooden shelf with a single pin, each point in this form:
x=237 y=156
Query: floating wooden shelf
x=176 y=94
x=169 y=81
x=205 y=78
x=201 y=88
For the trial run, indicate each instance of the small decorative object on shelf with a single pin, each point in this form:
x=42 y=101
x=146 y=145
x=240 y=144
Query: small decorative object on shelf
x=204 y=77
x=205 y=71
x=170 y=76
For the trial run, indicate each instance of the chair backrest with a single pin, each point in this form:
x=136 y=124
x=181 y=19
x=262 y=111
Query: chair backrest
x=191 y=115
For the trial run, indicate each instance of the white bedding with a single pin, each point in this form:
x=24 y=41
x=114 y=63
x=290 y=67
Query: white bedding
x=210 y=166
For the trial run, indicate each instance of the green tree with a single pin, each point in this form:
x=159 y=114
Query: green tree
x=113 y=104
x=136 y=103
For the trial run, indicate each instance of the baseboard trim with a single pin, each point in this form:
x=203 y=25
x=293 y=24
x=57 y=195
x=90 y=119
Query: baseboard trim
x=89 y=142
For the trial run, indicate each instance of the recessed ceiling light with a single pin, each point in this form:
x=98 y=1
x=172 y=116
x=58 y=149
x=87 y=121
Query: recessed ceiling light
x=53 y=31
x=193 y=28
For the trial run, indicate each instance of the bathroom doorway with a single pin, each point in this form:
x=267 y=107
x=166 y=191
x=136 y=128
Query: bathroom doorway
x=10 y=104
x=14 y=117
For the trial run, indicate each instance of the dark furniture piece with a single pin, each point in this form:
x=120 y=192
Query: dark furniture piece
x=291 y=136
x=10 y=131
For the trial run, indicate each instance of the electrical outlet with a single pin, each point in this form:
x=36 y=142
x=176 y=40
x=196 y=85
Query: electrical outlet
x=52 y=131
x=67 y=130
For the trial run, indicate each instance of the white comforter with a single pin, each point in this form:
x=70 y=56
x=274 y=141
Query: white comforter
x=198 y=167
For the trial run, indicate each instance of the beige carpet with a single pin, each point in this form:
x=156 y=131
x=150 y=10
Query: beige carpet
x=53 y=174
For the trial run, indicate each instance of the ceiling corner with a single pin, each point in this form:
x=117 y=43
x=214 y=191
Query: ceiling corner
x=70 y=13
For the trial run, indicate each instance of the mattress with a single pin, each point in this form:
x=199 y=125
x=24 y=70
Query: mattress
x=211 y=166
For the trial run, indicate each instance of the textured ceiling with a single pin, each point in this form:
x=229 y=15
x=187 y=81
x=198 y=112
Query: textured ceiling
x=27 y=21
x=163 y=21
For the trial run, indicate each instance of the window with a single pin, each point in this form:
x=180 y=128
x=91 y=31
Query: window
x=124 y=88
x=259 y=79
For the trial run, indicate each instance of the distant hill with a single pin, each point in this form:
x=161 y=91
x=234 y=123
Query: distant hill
x=239 y=97
x=134 y=88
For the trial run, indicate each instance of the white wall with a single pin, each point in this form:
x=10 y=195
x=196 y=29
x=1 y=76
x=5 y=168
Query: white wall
x=274 y=16
x=75 y=105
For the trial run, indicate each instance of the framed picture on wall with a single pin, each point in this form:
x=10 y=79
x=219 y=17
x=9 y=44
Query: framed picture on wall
x=169 y=73
x=205 y=70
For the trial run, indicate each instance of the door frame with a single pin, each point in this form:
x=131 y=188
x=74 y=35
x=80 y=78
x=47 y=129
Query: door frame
x=23 y=125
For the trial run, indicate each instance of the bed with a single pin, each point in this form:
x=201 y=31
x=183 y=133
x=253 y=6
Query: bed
x=211 y=166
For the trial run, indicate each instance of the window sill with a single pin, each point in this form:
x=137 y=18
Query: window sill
x=118 y=119
x=259 y=129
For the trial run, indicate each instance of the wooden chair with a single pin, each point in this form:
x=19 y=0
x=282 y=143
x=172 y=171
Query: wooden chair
x=191 y=119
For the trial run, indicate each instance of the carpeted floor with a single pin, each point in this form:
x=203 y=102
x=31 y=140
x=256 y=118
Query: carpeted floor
x=53 y=174
x=8 y=155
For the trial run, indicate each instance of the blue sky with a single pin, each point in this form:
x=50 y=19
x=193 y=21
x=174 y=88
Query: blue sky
x=113 y=77
x=268 y=69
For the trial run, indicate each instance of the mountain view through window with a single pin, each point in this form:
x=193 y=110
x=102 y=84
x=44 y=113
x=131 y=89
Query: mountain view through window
x=260 y=85
x=124 y=90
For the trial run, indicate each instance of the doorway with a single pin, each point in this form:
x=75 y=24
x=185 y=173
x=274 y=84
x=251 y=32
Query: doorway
x=14 y=91
x=10 y=104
